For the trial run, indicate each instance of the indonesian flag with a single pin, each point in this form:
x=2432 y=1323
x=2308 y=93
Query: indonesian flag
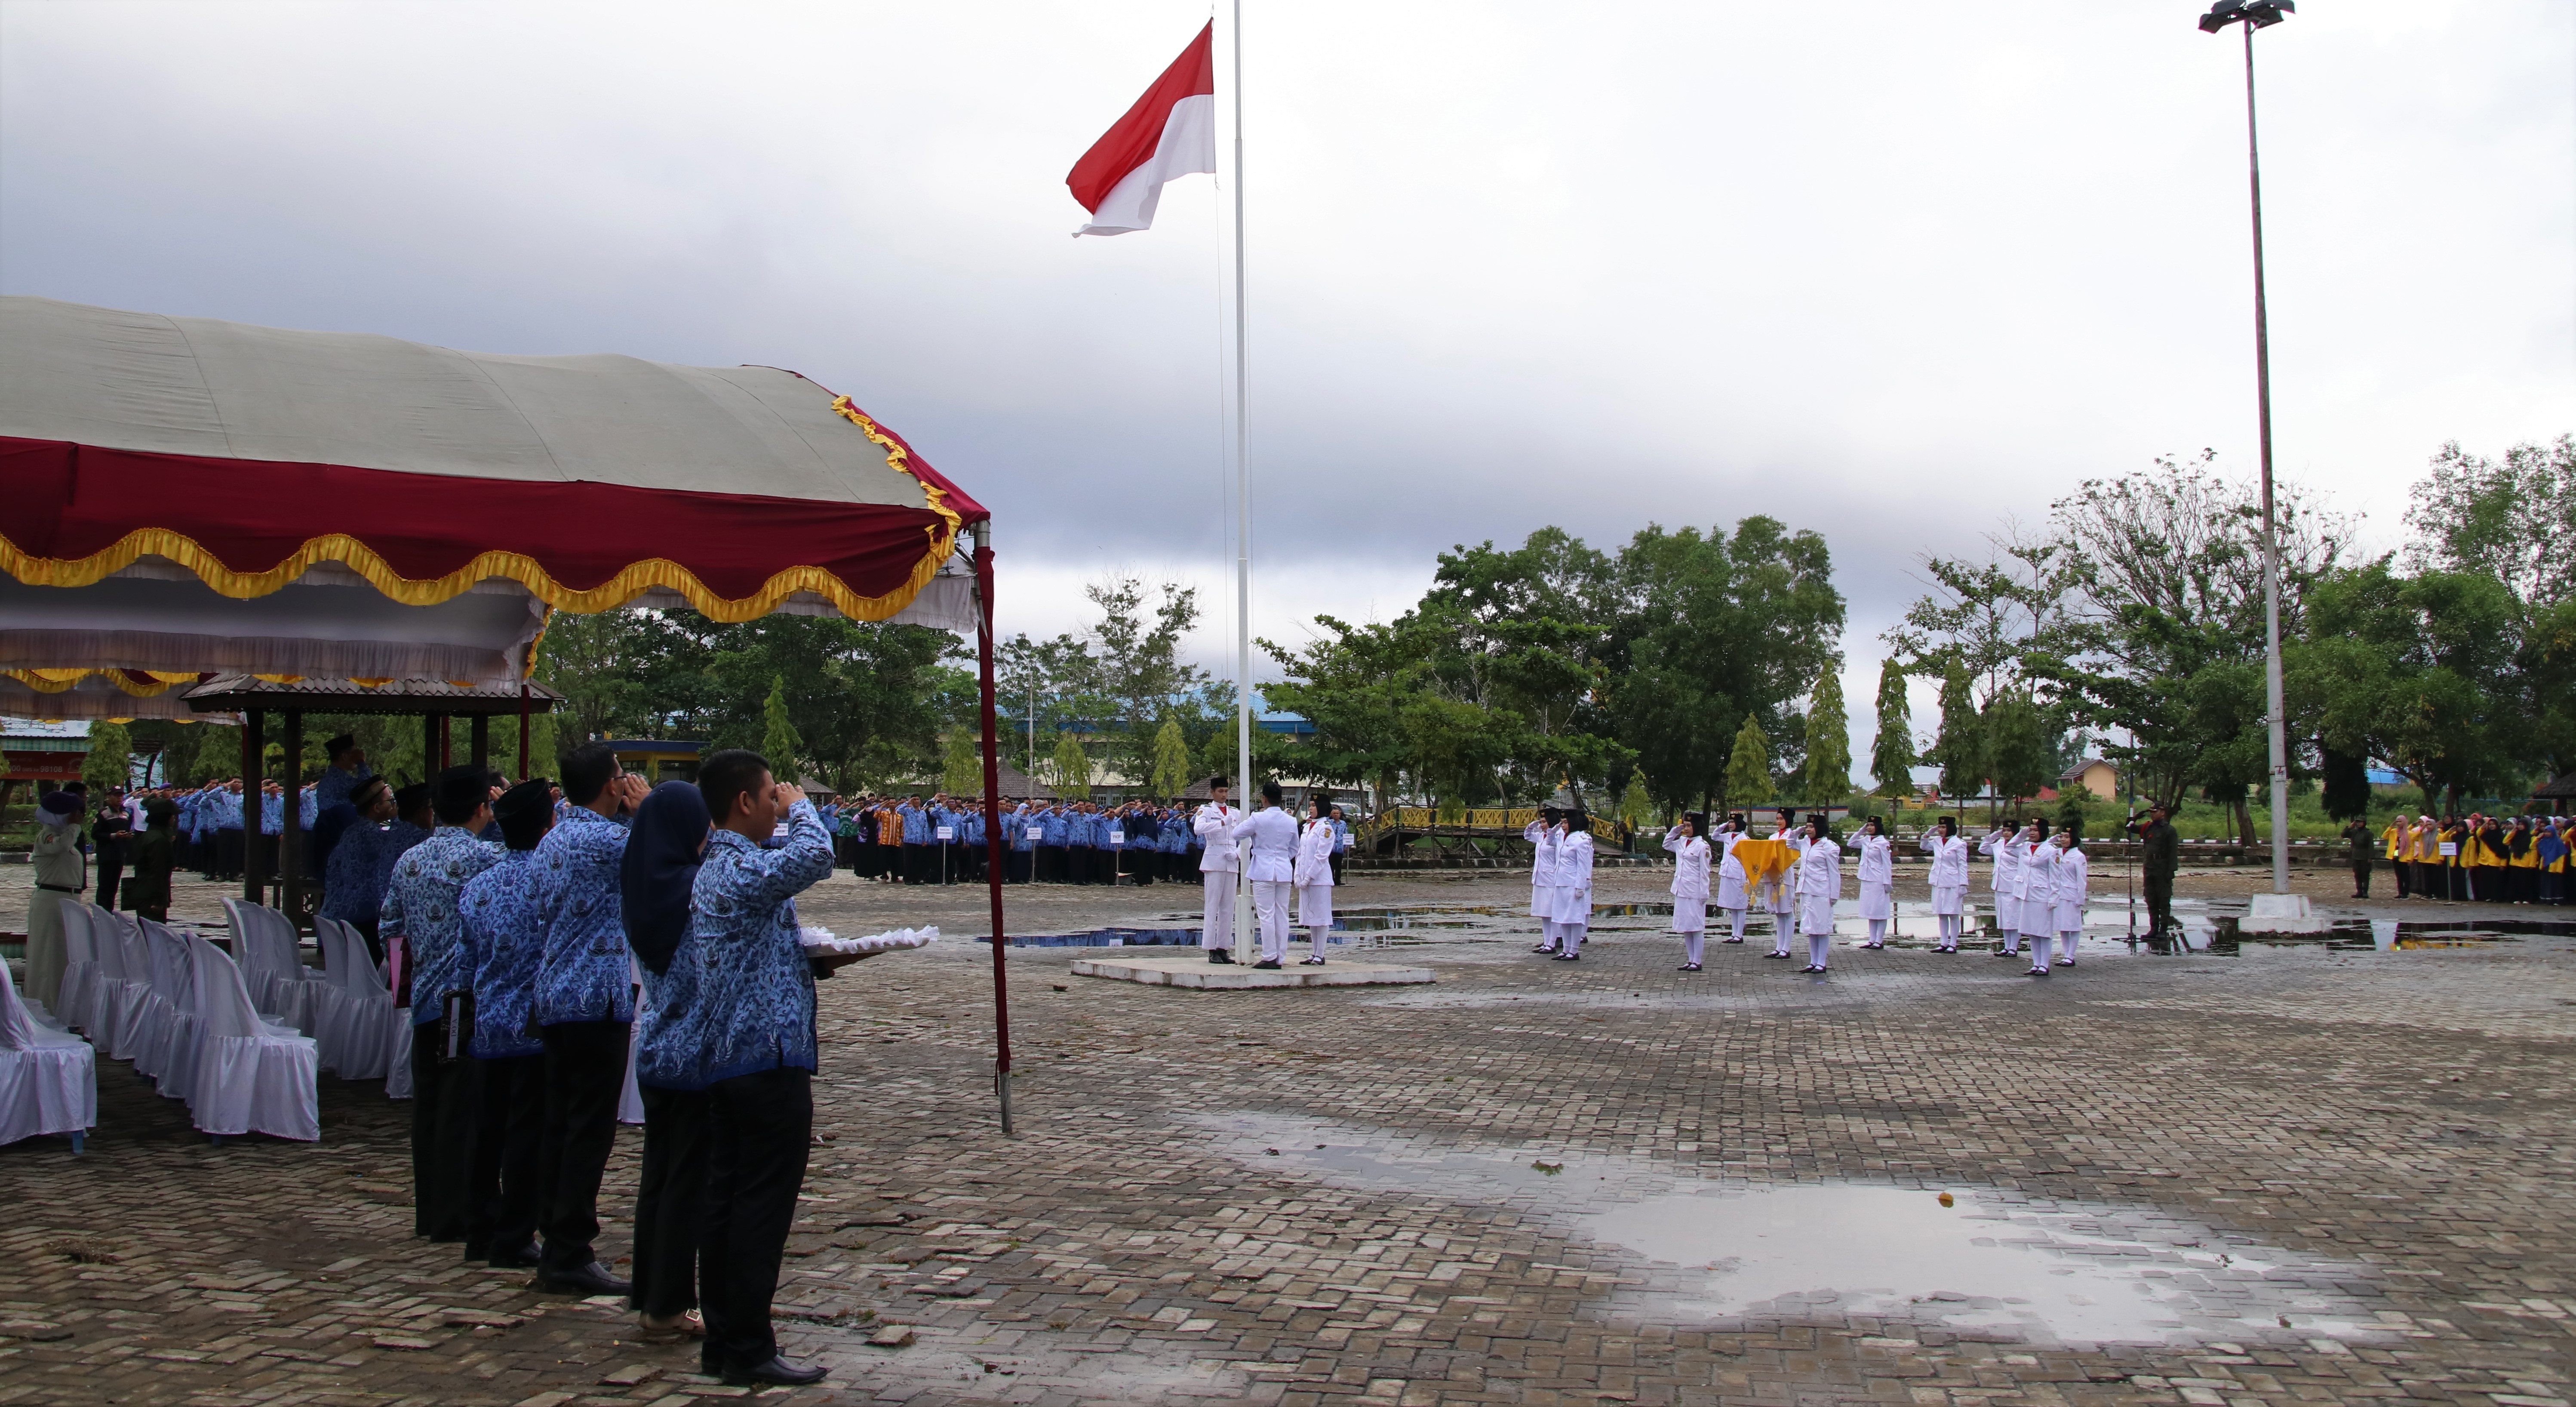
x=1171 y=131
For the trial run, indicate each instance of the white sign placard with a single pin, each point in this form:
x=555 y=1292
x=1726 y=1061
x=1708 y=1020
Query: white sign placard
x=947 y=832
x=1118 y=837
x=1037 y=833
x=2450 y=847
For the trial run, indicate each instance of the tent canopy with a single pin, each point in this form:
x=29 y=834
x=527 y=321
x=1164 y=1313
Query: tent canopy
x=275 y=502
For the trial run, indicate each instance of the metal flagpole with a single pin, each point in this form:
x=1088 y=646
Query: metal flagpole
x=1244 y=781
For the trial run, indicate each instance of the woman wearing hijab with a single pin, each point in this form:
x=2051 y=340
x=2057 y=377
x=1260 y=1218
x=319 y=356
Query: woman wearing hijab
x=1949 y=878
x=62 y=872
x=1314 y=876
x=1573 y=882
x=1731 y=896
x=1690 y=886
x=1877 y=879
x=2073 y=873
x=659 y=869
x=1820 y=883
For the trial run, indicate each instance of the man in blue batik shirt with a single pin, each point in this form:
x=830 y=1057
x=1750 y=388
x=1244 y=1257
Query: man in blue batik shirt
x=419 y=913
x=585 y=1010
x=339 y=782
x=502 y=936
x=757 y=995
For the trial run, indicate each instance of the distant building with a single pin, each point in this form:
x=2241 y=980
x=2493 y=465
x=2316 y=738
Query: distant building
x=659 y=760
x=2091 y=774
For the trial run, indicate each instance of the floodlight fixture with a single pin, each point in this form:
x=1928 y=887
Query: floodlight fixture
x=2254 y=14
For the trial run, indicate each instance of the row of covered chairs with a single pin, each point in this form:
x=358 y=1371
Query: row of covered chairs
x=48 y=1076
x=180 y=1010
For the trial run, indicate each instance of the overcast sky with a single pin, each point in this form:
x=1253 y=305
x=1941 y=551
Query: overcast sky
x=1885 y=270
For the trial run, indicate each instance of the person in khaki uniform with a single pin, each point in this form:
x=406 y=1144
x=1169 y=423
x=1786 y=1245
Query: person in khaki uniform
x=62 y=872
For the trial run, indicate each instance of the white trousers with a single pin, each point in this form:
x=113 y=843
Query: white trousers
x=1216 y=916
x=1571 y=937
x=1270 y=915
x=2066 y=944
x=1819 y=947
x=1693 y=944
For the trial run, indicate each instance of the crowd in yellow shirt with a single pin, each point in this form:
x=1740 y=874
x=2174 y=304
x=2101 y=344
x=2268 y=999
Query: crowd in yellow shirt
x=2482 y=859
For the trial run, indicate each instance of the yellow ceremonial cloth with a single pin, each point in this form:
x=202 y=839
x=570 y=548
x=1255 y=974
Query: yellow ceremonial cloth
x=1763 y=859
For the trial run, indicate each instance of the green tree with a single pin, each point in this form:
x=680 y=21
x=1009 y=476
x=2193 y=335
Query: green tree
x=1827 y=775
x=1748 y=767
x=779 y=741
x=1635 y=805
x=111 y=757
x=1170 y=774
x=217 y=753
x=2412 y=669
x=1707 y=626
x=1960 y=749
x=961 y=766
x=1070 y=767
x=2020 y=750
x=1891 y=753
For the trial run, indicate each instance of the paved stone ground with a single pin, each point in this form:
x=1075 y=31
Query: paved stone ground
x=2387 y=1132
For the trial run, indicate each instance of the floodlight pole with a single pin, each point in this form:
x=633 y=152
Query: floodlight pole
x=2250 y=17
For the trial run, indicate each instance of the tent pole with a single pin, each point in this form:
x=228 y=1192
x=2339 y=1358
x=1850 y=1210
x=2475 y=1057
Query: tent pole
x=254 y=733
x=527 y=769
x=290 y=827
x=993 y=848
x=482 y=742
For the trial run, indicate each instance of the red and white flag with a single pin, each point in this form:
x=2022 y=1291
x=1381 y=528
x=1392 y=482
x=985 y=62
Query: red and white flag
x=1171 y=131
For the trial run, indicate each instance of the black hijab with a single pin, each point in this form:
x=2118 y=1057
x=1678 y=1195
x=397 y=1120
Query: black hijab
x=662 y=851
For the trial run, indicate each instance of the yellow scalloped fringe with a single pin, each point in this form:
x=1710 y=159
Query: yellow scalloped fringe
x=633 y=581
x=58 y=681
x=900 y=460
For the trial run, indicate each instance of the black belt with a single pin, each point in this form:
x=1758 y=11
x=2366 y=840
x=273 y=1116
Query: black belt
x=61 y=888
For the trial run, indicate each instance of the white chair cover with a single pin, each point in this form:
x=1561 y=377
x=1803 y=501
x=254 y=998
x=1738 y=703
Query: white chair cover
x=357 y=1009
x=143 y=1022
x=76 y=1001
x=251 y=1078
x=124 y=995
x=269 y=954
x=630 y=1100
x=174 y=978
x=48 y=1078
x=398 y=1056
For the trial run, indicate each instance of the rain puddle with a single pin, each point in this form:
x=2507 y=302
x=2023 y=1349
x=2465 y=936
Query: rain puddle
x=1992 y=1262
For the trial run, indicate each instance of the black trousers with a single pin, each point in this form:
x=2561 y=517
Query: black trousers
x=2159 y=902
x=2361 y=879
x=446 y=1114
x=1017 y=868
x=228 y=854
x=111 y=868
x=2405 y=875
x=585 y=1073
x=508 y=1180
x=1050 y=864
x=758 y=1129
x=670 y=1201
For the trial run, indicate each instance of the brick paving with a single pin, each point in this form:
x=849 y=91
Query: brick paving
x=2394 y=1125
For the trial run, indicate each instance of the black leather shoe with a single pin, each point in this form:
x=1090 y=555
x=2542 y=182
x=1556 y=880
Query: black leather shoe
x=1219 y=955
x=526 y=1257
x=591 y=1279
x=776 y=1372
x=1271 y=964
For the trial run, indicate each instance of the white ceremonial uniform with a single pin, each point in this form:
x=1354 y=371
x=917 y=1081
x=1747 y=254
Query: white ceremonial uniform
x=1782 y=894
x=1730 y=883
x=1573 y=889
x=1877 y=882
x=2003 y=847
x=1949 y=879
x=1272 y=866
x=2074 y=874
x=1820 y=883
x=1690 y=891
x=1218 y=865
x=1542 y=839
x=2039 y=898
x=1314 y=876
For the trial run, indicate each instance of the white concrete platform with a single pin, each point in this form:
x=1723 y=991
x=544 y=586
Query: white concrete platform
x=2282 y=913
x=1191 y=969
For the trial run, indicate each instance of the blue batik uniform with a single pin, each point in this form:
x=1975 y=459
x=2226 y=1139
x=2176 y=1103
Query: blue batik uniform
x=916 y=824
x=420 y=904
x=1056 y=829
x=272 y=814
x=587 y=973
x=756 y=986
x=1018 y=832
x=335 y=786
x=503 y=939
x=353 y=881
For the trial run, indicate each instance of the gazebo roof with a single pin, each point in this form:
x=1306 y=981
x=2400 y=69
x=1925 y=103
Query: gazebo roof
x=244 y=692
